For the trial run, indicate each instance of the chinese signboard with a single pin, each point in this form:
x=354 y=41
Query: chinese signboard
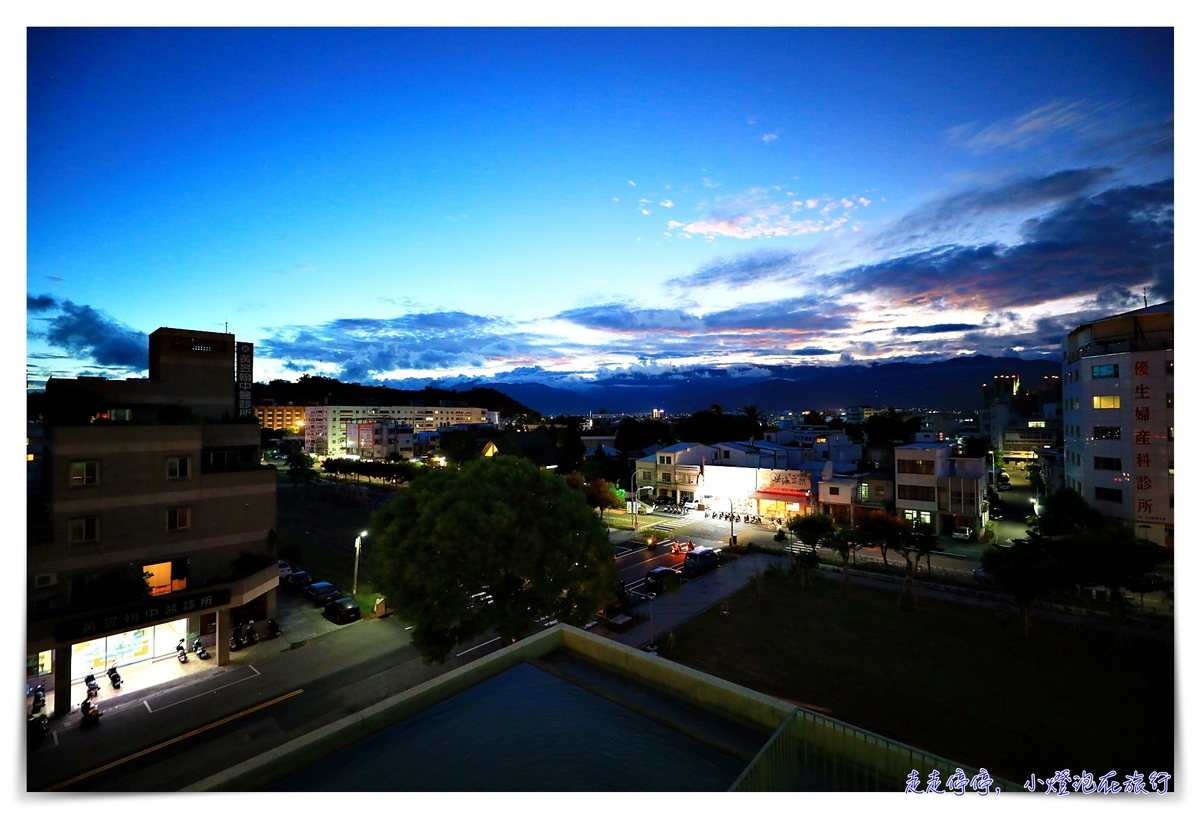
x=245 y=378
x=783 y=480
x=1146 y=471
x=146 y=613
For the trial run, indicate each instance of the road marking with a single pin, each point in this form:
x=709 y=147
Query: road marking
x=169 y=742
x=205 y=693
x=477 y=647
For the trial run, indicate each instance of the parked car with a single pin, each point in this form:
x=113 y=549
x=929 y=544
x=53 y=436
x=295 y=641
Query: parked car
x=656 y=578
x=285 y=568
x=342 y=611
x=963 y=532
x=322 y=592
x=1004 y=487
x=981 y=575
x=299 y=580
x=700 y=561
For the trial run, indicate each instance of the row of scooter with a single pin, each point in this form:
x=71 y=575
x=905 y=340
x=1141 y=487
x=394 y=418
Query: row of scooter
x=737 y=518
x=239 y=639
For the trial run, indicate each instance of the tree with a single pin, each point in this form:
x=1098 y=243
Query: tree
x=498 y=544
x=882 y=529
x=1030 y=569
x=810 y=528
x=300 y=468
x=845 y=543
x=600 y=495
x=918 y=542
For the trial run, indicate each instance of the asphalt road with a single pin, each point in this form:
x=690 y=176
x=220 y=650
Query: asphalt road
x=177 y=734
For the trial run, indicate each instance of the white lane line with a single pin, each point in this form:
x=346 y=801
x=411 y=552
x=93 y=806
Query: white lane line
x=477 y=647
x=206 y=692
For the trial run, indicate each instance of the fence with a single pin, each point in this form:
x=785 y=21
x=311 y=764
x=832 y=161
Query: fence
x=811 y=752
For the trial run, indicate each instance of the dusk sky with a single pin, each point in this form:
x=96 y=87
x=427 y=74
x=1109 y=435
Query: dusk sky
x=403 y=205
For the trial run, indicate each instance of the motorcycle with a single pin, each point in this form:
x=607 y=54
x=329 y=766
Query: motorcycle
x=181 y=652
x=39 y=697
x=91 y=714
x=236 y=640
x=93 y=687
x=39 y=727
x=251 y=634
x=114 y=676
x=199 y=650
x=274 y=629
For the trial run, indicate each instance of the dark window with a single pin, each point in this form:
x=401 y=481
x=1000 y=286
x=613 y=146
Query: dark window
x=914 y=466
x=179 y=518
x=1108 y=495
x=1106 y=371
x=85 y=529
x=834 y=490
x=925 y=494
x=1106 y=432
x=178 y=468
x=1107 y=463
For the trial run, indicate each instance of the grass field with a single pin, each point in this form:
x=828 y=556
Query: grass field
x=959 y=681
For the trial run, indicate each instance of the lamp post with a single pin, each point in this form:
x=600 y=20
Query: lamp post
x=357 y=552
x=732 y=536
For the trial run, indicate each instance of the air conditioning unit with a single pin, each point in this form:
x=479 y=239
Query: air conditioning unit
x=44 y=580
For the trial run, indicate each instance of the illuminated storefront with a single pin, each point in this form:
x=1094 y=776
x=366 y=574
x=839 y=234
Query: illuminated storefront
x=765 y=492
x=130 y=647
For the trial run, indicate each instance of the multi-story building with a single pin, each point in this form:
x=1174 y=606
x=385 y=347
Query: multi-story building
x=935 y=487
x=153 y=519
x=380 y=440
x=849 y=497
x=325 y=427
x=271 y=416
x=1119 y=418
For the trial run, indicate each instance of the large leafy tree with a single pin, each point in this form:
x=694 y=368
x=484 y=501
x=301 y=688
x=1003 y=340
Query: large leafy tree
x=810 y=528
x=1030 y=570
x=498 y=544
x=881 y=529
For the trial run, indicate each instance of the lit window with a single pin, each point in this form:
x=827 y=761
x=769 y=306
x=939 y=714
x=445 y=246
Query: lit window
x=1106 y=402
x=1106 y=371
x=85 y=473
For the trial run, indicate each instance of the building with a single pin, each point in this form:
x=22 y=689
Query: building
x=379 y=440
x=326 y=427
x=153 y=520
x=847 y=498
x=1019 y=423
x=1119 y=418
x=937 y=488
x=271 y=416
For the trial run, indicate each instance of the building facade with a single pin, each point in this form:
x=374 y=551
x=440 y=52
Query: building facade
x=280 y=417
x=325 y=427
x=153 y=520
x=1119 y=418
x=936 y=488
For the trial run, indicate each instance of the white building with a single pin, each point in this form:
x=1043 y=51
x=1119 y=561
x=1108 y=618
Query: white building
x=934 y=487
x=326 y=427
x=1119 y=418
x=379 y=440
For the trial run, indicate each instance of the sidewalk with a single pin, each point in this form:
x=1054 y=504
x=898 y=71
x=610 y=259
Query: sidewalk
x=672 y=609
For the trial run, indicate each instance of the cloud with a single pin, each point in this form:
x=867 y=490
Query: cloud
x=709 y=183
x=666 y=203
x=786 y=315
x=55 y=278
x=88 y=333
x=633 y=183
x=40 y=303
x=769 y=137
x=645 y=212
x=743 y=270
x=763 y=221
x=1030 y=128
x=934 y=329
x=1119 y=237
x=813 y=351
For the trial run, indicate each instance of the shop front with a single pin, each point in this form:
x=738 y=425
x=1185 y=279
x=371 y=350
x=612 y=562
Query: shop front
x=780 y=505
x=128 y=648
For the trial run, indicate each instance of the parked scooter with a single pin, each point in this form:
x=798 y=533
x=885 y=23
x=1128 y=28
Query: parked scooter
x=236 y=640
x=251 y=634
x=199 y=650
x=274 y=629
x=114 y=676
x=39 y=697
x=181 y=652
x=91 y=714
x=93 y=687
x=39 y=727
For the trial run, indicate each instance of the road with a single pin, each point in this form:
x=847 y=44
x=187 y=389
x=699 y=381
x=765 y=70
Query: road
x=196 y=729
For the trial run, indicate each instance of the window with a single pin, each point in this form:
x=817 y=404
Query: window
x=178 y=468
x=1108 y=495
x=1106 y=432
x=914 y=466
x=85 y=529
x=666 y=477
x=834 y=491
x=1106 y=401
x=1037 y=424
x=1107 y=463
x=120 y=414
x=85 y=473
x=924 y=494
x=918 y=516
x=179 y=518
x=1106 y=371
x=165 y=577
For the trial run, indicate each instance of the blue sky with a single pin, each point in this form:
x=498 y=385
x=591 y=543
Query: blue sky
x=404 y=205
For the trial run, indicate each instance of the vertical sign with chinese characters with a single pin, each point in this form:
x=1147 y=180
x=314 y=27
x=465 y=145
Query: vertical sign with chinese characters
x=245 y=378
x=1144 y=449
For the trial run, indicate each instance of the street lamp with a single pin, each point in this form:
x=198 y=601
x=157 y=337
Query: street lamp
x=357 y=552
x=732 y=536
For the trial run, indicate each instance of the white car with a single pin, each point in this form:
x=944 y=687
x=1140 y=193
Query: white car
x=285 y=568
x=963 y=532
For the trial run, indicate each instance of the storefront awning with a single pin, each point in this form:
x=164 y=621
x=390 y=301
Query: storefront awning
x=781 y=496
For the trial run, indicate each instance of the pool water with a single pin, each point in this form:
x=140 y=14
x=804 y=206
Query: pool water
x=523 y=730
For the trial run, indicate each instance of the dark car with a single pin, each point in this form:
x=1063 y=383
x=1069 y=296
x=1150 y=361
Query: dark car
x=342 y=611
x=700 y=561
x=657 y=578
x=299 y=579
x=322 y=592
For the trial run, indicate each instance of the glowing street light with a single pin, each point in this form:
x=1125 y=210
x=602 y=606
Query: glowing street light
x=357 y=552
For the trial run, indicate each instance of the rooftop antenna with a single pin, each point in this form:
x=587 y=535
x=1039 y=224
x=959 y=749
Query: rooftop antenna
x=1145 y=303
x=226 y=327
